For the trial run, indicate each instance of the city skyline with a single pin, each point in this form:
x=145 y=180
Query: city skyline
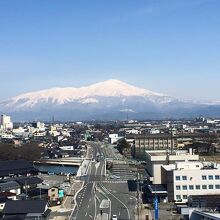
x=170 y=47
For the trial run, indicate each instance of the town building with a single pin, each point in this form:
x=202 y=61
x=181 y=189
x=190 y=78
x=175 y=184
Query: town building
x=165 y=141
x=26 y=209
x=6 y=123
x=13 y=168
x=157 y=158
x=184 y=179
x=113 y=138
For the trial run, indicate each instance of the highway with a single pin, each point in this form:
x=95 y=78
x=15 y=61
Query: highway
x=96 y=190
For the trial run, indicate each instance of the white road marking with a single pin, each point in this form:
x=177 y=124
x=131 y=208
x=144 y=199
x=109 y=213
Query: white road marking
x=117 y=199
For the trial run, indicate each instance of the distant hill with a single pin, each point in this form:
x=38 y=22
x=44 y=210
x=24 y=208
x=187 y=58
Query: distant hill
x=108 y=100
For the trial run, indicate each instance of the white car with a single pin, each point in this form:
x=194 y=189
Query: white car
x=114 y=217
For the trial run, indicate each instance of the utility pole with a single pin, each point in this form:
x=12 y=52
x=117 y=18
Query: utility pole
x=101 y=213
x=138 y=197
x=25 y=190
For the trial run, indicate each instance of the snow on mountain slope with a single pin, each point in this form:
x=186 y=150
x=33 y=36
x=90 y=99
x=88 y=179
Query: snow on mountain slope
x=84 y=95
x=108 y=100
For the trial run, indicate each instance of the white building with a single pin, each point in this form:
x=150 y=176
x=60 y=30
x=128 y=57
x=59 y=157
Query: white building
x=6 y=122
x=184 y=179
x=40 y=126
x=66 y=147
x=113 y=138
x=132 y=131
x=155 y=159
x=154 y=131
x=7 y=136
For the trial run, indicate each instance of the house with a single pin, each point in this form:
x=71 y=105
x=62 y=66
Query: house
x=11 y=186
x=53 y=194
x=12 y=168
x=28 y=182
x=26 y=209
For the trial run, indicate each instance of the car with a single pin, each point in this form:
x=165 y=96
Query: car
x=114 y=217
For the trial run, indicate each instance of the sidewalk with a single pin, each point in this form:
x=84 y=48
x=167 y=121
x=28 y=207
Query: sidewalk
x=69 y=202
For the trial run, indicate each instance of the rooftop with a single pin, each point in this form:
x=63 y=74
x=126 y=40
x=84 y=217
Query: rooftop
x=24 y=207
x=192 y=165
x=15 y=167
x=174 y=155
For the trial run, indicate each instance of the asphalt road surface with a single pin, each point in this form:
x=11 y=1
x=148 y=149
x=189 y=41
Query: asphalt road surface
x=96 y=188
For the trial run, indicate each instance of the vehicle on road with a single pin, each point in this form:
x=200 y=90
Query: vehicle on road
x=114 y=217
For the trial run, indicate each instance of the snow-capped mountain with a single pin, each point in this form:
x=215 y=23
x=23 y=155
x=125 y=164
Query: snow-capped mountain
x=84 y=95
x=110 y=99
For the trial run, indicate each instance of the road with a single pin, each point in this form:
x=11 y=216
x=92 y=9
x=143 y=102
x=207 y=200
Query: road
x=97 y=189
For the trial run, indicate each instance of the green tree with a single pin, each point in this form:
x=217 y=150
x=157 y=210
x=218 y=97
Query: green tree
x=123 y=145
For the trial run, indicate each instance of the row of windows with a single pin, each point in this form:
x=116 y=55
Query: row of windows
x=155 y=142
x=178 y=197
x=210 y=177
x=179 y=178
x=153 y=146
x=204 y=177
x=198 y=187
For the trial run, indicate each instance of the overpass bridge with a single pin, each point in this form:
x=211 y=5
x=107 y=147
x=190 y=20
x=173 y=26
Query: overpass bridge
x=71 y=161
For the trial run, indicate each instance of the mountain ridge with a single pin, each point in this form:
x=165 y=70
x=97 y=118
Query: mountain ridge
x=110 y=99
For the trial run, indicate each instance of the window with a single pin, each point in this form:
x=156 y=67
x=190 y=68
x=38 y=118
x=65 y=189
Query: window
x=184 y=187
x=184 y=177
x=217 y=186
x=210 y=177
x=184 y=196
x=204 y=177
x=177 y=187
x=210 y=186
x=197 y=186
x=177 y=177
x=191 y=187
x=178 y=197
x=217 y=177
x=204 y=187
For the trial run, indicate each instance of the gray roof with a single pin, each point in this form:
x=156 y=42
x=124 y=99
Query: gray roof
x=24 y=207
x=15 y=167
x=25 y=180
x=9 y=186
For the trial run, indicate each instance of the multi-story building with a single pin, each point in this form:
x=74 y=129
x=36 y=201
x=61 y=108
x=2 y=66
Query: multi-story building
x=6 y=123
x=185 y=179
x=155 y=159
x=164 y=141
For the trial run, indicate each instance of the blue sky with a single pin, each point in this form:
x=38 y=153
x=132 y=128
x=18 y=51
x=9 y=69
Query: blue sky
x=168 y=46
